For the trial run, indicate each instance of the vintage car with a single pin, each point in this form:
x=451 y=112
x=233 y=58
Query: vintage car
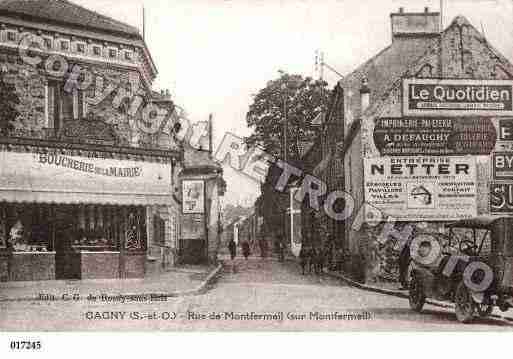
x=471 y=266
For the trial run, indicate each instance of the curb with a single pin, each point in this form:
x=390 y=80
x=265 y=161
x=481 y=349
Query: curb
x=399 y=294
x=200 y=289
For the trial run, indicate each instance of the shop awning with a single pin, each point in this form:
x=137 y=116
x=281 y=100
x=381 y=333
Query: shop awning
x=54 y=178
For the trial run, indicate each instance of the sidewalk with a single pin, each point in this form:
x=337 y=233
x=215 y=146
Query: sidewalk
x=178 y=281
x=393 y=289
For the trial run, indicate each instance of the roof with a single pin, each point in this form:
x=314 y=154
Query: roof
x=199 y=160
x=67 y=13
x=382 y=70
x=406 y=57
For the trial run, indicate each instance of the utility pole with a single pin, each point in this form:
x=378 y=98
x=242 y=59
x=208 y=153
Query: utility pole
x=320 y=64
x=144 y=23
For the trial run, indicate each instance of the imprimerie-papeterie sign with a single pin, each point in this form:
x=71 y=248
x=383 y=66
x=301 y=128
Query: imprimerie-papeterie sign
x=457 y=97
x=434 y=136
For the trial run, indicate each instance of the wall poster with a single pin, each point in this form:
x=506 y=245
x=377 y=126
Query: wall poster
x=193 y=196
x=422 y=188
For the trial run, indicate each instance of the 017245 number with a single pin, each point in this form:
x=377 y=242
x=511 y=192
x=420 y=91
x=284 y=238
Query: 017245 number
x=25 y=345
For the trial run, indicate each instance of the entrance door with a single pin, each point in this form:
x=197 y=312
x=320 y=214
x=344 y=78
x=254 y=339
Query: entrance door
x=67 y=263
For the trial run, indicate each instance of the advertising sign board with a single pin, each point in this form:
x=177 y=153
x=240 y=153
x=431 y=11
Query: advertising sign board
x=193 y=195
x=502 y=165
x=457 y=97
x=422 y=188
x=501 y=198
x=441 y=136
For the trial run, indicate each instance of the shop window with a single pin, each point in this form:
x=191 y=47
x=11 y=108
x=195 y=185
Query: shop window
x=24 y=228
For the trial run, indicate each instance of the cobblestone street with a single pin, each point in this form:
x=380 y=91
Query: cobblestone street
x=259 y=286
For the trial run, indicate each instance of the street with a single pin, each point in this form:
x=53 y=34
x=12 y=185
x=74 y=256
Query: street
x=264 y=287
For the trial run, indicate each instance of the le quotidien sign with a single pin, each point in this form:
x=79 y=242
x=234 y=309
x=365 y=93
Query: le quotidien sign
x=456 y=97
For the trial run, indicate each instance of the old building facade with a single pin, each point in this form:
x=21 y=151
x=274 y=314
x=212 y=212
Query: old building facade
x=89 y=162
x=393 y=127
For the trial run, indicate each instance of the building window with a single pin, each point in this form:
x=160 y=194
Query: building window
x=113 y=53
x=63 y=105
x=97 y=51
x=48 y=42
x=11 y=36
x=64 y=45
x=128 y=55
x=81 y=48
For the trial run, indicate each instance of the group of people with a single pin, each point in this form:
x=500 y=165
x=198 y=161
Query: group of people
x=279 y=248
x=232 y=247
x=324 y=256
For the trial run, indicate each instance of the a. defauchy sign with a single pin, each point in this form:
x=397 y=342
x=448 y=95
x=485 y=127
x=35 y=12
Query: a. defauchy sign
x=457 y=97
x=442 y=136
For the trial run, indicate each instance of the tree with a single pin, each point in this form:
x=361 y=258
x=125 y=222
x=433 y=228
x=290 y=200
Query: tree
x=299 y=101
x=8 y=102
x=292 y=98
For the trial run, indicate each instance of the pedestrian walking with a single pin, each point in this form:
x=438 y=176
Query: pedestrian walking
x=232 y=247
x=303 y=258
x=245 y=249
x=281 y=249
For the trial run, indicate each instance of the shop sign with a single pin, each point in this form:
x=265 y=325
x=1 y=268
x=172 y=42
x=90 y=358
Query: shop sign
x=502 y=165
x=411 y=136
x=457 y=97
x=506 y=129
x=193 y=196
x=422 y=188
x=82 y=179
x=501 y=198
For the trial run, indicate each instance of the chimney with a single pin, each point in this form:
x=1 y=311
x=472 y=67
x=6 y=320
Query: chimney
x=415 y=24
x=364 y=95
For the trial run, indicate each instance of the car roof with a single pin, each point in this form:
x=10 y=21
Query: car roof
x=484 y=222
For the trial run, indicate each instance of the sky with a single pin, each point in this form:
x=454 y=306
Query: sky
x=213 y=55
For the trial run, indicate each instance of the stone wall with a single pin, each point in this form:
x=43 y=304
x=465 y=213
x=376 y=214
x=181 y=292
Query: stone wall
x=120 y=99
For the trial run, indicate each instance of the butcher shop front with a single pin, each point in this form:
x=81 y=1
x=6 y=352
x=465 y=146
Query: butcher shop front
x=77 y=213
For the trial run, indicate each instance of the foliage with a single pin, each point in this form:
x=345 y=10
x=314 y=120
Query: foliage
x=8 y=102
x=294 y=98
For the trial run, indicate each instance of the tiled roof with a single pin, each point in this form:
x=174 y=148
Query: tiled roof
x=384 y=69
x=198 y=159
x=65 y=12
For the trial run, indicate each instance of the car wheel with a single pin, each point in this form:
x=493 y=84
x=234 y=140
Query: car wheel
x=417 y=297
x=465 y=305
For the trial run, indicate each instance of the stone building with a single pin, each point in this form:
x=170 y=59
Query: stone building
x=457 y=119
x=88 y=164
